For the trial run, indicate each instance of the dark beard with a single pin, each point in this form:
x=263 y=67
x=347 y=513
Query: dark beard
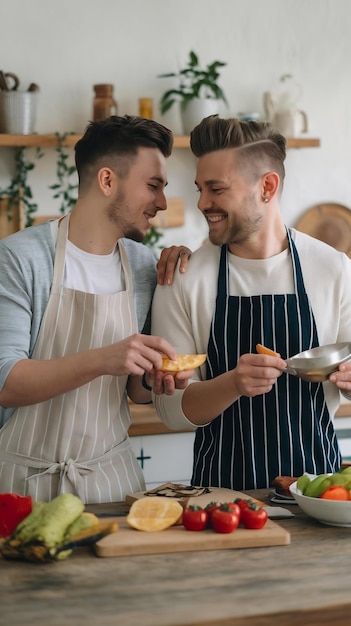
x=129 y=232
x=134 y=234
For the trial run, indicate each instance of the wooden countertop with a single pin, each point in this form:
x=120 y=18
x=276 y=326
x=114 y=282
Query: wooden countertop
x=306 y=582
x=145 y=420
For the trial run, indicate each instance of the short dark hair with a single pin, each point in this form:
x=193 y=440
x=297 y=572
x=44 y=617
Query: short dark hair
x=257 y=142
x=115 y=138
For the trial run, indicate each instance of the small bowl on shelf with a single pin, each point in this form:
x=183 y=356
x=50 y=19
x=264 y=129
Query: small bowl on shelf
x=329 y=512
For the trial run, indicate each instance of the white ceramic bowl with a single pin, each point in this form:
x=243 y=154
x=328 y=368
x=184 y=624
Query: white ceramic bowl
x=330 y=512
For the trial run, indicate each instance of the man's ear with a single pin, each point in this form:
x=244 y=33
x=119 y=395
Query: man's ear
x=106 y=180
x=270 y=185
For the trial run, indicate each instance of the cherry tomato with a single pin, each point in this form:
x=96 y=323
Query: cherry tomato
x=195 y=518
x=254 y=517
x=336 y=492
x=233 y=506
x=13 y=509
x=225 y=519
x=210 y=507
x=242 y=503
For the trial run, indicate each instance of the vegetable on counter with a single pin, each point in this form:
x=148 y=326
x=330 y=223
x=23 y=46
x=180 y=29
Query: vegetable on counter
x=13 y=509
x=254 y=518
x=52 y=530
x=226 y=518
x=195 y=518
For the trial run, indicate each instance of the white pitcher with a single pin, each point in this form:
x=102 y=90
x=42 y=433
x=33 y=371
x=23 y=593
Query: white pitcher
x=290 y=122
x=281 y=108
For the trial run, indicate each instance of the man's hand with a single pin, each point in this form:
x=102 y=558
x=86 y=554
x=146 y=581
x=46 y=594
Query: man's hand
x=136 y=354
x=256 y=374
x=164 y=382
x=342 y=378
x=168 y=261
x=31 y=381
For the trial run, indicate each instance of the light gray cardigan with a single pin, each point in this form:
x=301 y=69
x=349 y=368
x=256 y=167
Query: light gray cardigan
x=26 y=272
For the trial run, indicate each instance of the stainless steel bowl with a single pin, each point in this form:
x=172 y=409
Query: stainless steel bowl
x=317 y=364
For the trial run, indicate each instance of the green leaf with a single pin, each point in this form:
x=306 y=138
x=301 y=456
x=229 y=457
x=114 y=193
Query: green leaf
x=192 y=81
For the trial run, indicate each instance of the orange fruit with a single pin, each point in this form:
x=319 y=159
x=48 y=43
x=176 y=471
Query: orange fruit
x=154 y=513
x=336 y=492
x=263 y=350
x=183 y=362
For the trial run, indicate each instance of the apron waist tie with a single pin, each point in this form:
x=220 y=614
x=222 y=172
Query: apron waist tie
x=71 y=473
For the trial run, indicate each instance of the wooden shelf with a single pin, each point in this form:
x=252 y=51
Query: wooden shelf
x=32 y=141
x=50 y=141
x=303 y=142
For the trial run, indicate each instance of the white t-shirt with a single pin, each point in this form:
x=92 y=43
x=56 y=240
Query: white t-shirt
x=91 y=273
x=182 y=312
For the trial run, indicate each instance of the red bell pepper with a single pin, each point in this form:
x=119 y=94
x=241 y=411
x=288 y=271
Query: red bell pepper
x=13 y=509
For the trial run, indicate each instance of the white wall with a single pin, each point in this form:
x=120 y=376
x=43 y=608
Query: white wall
x=68 y=45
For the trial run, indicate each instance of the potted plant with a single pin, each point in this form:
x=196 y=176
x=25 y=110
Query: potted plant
x=18 y=194
x=198 y=91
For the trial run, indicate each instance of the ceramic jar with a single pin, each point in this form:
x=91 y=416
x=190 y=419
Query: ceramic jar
x=104 y=104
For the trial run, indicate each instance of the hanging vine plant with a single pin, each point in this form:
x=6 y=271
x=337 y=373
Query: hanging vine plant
x=19 y=191
x=64 y=188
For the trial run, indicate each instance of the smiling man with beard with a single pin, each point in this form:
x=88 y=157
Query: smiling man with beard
x=75 y=296
x=254 y=282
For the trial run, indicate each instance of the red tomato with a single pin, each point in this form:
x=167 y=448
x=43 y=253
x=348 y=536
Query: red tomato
x=13 y=509
x=254 y=517
x=225 y=519
x=336 y=492
x=210 y=508
x=233 y=506
x=195 y=518
x=242 y=503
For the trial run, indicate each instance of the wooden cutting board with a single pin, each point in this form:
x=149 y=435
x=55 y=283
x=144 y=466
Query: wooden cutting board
x=216 y=494
x=127 y=541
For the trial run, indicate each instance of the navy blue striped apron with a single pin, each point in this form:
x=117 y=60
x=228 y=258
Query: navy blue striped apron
x=285 y=432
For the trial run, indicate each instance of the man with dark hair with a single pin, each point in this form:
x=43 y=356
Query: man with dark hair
x=75 y=296
x=254 y=282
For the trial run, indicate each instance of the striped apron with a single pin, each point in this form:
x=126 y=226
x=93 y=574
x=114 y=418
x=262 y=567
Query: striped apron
x=78 y=441
x=285 y=432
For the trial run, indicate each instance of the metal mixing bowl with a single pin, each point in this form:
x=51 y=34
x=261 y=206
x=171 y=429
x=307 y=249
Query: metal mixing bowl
x=317 y=364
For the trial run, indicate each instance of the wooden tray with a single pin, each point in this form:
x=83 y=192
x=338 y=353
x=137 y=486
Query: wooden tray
x=330 y=223
x=127 y=541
